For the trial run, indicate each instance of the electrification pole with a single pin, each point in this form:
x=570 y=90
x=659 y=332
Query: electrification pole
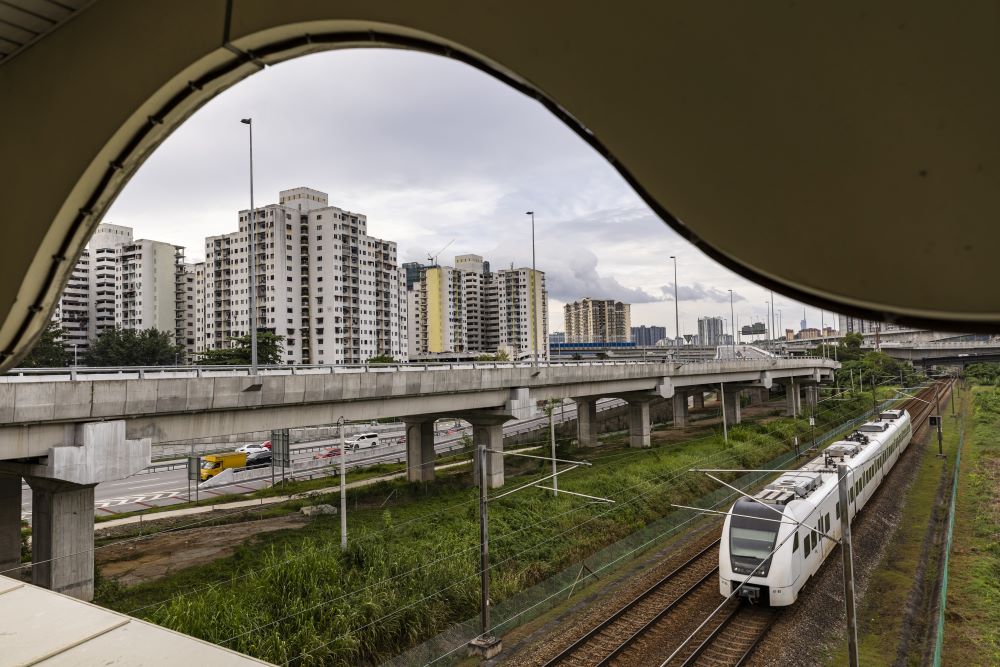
x=722 y=399
x=484 y=548
x=552 y=438
x=846 y=551
x=343 y=486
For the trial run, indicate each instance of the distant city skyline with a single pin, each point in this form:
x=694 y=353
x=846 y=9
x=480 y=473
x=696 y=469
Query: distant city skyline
x=434 y=152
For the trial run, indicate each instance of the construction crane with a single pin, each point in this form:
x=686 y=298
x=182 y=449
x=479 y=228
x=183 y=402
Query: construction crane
x=433 y=259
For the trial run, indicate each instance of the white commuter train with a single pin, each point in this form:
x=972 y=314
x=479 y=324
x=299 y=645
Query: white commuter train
x=784 y=518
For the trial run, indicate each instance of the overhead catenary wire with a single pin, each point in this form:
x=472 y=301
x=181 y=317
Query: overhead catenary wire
x=635 y=498
x=195 y=524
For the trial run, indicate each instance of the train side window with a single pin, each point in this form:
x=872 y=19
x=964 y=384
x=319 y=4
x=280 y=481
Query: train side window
x=826 y=521
x=795 y=543
x=837 y=511
x=805 y=546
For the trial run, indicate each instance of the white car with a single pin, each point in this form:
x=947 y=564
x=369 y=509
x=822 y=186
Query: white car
x=254 y=448
x=363 y=441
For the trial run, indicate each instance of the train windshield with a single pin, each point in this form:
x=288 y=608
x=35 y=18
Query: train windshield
x=750 y=536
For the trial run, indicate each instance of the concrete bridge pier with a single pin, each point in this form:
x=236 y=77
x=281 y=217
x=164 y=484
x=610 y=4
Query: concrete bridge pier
x=10 y=525
x=793 y=399
x=680 y=402
x=586 y=421
x=731 y=403
x=62 y=504
x=420 y=454
x=812 y=397
x=757 y=395
x=488 y=430
x=698 y=399
x=62 y=536
x=638 y=421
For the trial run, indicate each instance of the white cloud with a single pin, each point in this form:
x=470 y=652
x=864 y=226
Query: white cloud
x=432 y=151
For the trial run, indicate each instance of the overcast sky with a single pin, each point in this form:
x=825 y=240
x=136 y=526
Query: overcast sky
x=433 y=151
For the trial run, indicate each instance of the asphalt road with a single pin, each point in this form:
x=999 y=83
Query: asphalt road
x=170 y=487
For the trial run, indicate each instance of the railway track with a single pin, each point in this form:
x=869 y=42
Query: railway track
x=606 y=643
x=680 y=618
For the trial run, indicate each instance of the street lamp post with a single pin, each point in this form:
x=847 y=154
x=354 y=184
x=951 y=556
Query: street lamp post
x=773 y=319
x=732 y=322
x=534 y=324
x=769 y=326
x=252 y=229
x=677 y=311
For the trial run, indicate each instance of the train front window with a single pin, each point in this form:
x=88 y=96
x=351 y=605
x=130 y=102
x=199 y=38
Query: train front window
x=752 y=538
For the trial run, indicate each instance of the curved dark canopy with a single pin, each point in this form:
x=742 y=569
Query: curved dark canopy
x=843 y=153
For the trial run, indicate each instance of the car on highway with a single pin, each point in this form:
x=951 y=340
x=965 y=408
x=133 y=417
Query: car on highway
x=260 y=459
x=363 y=441
x=328 y=453
x=255 y=447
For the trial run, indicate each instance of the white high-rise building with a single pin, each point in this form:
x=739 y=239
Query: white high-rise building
x=73 y=312
x=471 y=310
x=120 y=282
x=103 y=267
x=334 y=293
x=711 y=331
x=191 y=308
x=146 y=274
x=598 y=321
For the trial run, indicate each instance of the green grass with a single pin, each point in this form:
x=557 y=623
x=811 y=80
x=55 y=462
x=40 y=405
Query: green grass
x=293 y=596
x=880 y=613
x=972 y=623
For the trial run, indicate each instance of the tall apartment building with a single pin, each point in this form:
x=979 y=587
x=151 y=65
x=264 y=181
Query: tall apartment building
x=644 y=336
x=711 y=331
x=333 y=292
x=469 y=309
x=146 y=274
x=120 y=282
x=73 y=312
x=191 y=307
x=598 y=321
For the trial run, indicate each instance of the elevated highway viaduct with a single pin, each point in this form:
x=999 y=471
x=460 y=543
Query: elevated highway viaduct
x=64 y=434
x=945 y=353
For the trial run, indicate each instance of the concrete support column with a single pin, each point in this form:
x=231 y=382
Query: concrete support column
x=62 y=536
x=698 y=399
x=638 y=423
x=732 y=405
x=811 y=396
x=10 y=524
x=793 y=399
x=420 y=450
x=490 y=435
x=764 y=394
x=586 y=422
x=680 y=401
x=754 y=395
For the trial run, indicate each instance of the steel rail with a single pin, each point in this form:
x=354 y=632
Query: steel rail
x=579 y=643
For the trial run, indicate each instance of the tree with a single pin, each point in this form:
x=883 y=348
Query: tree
x=49 y=351
x=269 y=351
x=501 y=355
x=130 y=347
x=880 y=368
x=382 y=359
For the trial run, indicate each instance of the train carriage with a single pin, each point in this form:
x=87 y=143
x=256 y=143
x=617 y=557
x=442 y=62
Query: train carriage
x=774 y=541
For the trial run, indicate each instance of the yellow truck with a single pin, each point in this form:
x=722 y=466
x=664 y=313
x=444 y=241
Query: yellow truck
x=213 y=464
